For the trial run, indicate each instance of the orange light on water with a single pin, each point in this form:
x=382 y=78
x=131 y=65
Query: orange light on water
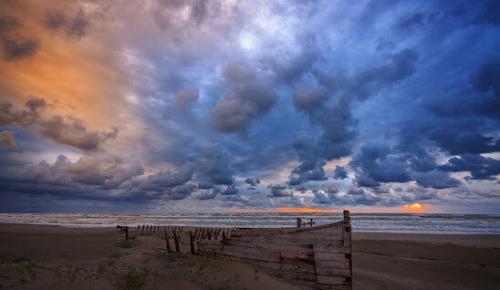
x=304 y=210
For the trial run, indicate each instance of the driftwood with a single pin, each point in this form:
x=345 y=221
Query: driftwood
x=315 y=255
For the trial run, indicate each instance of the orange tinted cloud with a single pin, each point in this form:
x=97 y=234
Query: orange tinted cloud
x=82 y=76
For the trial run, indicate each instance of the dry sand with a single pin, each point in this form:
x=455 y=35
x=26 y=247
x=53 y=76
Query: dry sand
x=50 y=257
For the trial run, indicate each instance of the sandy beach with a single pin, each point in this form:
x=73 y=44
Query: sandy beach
x=52 y=257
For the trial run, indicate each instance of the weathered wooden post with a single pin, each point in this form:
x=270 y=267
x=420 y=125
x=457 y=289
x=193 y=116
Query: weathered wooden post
x=167 y=243
x=347 y=243
x=176 y=241
x=192 y=241
x=125 y=230
x=299 y=222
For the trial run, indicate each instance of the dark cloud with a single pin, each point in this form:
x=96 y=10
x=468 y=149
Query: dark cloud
x=87 y=178
x=481 y=99
x=230 y=190
x=335 y=142
x=480 y=167
x=356 y=191
x=309 y=99
x=289 y=69
x=55 y=20
x=366 y=181
x=486 y=79
x=402 y=66
x=199 y=10
x=213 y=167
x=336 y=121
x=78 y=26
x=330 y=188
x=375 y=164
x=436 y=179
x=279 y=191
x=308 y=171
x=9 y=116
x=14 y=46
x=252 y=182
x=205 y=185
x=9 y=23
x=185 y=98
x=170 y=178
x=252 y=97
x=340 y=172
x=461 y=136
x=74 y=27
x=490 y=13
x=36 y=104
x=73 y=132
x=65 y=130
x=411 y=21
x=179 y=192
x=15 y=49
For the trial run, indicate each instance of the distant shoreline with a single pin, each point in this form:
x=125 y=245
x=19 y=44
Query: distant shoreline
x=450 y=224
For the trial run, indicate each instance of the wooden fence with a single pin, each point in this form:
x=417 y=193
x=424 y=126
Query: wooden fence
x=318 y=255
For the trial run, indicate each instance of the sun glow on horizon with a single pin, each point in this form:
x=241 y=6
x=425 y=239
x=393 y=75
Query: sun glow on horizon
x=416 y=208
x=304 y=210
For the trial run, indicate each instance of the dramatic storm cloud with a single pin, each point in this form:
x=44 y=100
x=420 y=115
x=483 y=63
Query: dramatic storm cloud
x=226 y=105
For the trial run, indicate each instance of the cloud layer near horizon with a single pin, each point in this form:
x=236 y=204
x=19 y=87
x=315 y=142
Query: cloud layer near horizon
x=210 y=105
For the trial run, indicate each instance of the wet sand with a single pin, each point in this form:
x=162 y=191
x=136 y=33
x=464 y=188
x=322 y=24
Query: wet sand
x=51 y=257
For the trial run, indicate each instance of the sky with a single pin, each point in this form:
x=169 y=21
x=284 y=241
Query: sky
x=211 y=106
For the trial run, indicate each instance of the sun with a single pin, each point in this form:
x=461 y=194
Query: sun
x=415 y=208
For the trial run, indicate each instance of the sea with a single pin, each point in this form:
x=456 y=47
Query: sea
x=388 y=223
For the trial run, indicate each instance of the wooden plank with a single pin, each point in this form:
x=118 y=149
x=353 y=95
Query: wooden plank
x=333 y=287
x=331 y=280
x=291 y=239
x=269 y=244
x=333 y=272
x=288 y=269
x=252 y=253
x=184 y=243
x=325 y=256
x=330 y=264
x=281 y=231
